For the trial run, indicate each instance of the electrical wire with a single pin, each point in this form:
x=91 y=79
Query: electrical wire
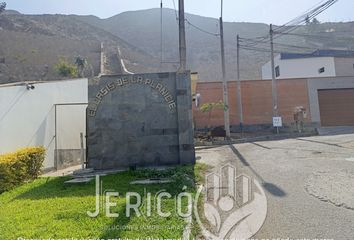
x=305 y=19
x=293 y=24
x=174 y=6
x=320 y=36
x=200 y=29
x=307 y=16
x=294 y=46
x=279 y=45
x=257 y=49
x=253 y=42
x=191 y=24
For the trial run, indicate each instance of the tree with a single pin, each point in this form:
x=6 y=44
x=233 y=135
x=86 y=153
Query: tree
x=209 y=107
x=2 y=6
x=65 y=69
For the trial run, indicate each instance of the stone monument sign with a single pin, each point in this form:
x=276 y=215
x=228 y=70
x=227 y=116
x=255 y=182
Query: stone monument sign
x=140 y=120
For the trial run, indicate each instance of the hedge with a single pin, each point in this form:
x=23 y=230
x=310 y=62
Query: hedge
x=19 y=167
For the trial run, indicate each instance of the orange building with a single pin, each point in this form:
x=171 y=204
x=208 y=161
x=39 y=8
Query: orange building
x=311 y=94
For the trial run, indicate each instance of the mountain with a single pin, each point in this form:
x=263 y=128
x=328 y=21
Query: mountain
x=142 y=28
x=11 y=12
x=32 y=44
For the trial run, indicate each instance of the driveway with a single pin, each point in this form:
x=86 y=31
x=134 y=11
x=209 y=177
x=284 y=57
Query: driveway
x=308 y=182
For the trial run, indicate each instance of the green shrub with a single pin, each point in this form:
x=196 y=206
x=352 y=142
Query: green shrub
x=65 y=69
x=19 y=167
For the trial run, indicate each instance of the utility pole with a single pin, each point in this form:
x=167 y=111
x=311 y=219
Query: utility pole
x=182 y=38
x=239 y=93
x=274 y=80
x=225 y=88
x=161 y=33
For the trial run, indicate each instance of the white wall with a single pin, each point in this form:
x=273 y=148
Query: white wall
x=301 y=68
x=344 y=67
x=27 y=117
x=71 y=121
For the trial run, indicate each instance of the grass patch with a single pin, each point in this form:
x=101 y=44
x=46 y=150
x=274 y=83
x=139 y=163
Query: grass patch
x=45 y=208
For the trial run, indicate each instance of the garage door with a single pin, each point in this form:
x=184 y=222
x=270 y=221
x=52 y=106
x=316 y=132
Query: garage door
x=336 y=107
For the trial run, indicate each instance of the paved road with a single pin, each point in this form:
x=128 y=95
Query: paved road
x=309 y=183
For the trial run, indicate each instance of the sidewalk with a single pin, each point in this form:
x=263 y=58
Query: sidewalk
x=62 y=172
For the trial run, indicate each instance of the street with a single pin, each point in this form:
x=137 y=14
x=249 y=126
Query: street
x=308 y=182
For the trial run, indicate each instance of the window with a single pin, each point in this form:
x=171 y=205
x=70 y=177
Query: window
x=277 y=71
x=321 y=70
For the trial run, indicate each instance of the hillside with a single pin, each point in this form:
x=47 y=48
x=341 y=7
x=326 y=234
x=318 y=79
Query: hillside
x=142 y=28
x=32 y=44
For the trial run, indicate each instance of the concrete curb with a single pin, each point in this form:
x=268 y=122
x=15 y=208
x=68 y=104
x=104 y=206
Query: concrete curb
x=260 y=138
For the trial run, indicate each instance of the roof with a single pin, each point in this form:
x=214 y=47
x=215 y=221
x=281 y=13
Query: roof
x=318 y=53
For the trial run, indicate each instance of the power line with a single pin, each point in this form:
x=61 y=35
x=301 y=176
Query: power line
x=307 y=16
x=257 y=49
x=295 y=23
x=304 y=19
x=280 y=47
x=254 y=42
x=294 y=46
x=303 y=35
x=174 y=6
x=191 y=24
x=320 y=36
x=202 y=30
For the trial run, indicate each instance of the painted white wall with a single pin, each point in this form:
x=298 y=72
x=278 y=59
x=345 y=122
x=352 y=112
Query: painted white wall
x=344 y=67
x=27 y=117
x=71 y=121
x=301 y=68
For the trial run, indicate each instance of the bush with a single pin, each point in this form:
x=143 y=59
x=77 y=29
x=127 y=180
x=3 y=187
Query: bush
x=65 y=69
x=21 y=166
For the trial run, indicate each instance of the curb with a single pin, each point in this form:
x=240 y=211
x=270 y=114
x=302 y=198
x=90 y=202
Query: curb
x=256 y=139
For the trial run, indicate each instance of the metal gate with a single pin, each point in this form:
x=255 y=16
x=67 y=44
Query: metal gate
x=336 y=107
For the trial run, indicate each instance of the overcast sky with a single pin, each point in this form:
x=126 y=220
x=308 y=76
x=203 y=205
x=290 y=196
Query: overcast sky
x=265 y=11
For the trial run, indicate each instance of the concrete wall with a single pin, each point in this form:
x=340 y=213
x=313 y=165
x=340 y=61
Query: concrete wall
x=301 y=68
x=324 y=83
x=27 y=117
x=140 y=120
x=256 y=100
x=344 y=67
